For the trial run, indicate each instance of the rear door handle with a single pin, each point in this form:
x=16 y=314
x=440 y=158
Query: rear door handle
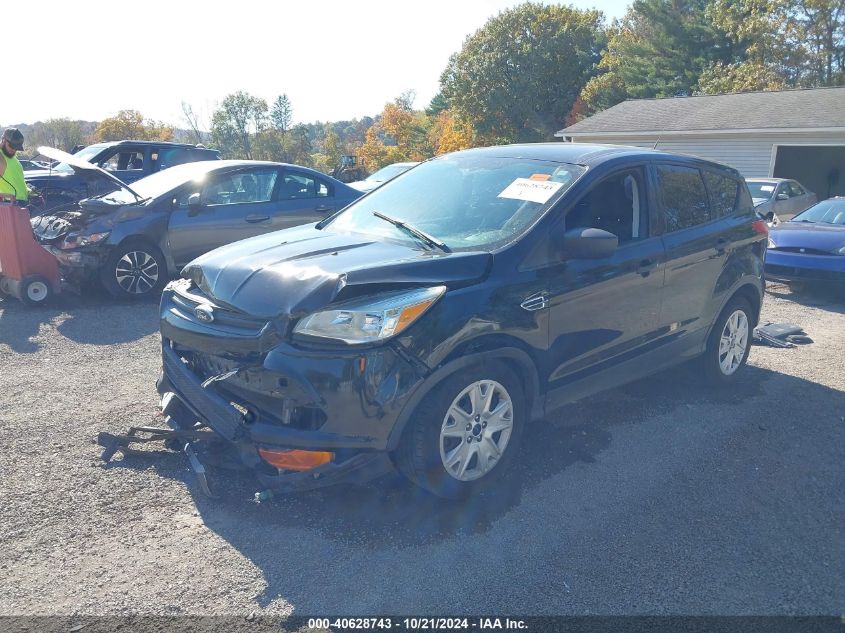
x=253 y=218
x=646 y=267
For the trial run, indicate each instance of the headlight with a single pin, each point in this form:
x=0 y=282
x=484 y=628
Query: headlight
x=772 y=244
x=371 y=318
x=842 y=251
x=75 y=240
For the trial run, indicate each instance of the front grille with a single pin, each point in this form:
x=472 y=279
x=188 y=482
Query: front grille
x=801 y=251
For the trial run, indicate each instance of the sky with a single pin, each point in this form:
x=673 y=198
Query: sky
x=335 y=60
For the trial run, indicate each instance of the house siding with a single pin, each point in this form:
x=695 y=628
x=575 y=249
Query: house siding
x=750 y=153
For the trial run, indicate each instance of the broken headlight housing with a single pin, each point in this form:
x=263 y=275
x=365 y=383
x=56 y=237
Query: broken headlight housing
x=370 y=319
x=75 y=240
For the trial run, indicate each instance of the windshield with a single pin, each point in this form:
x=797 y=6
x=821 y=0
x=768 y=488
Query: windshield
x=761 y=189
x=386 y=173
x=466 y=201
x=825 y=212
x=163 y=182
x=86 y=153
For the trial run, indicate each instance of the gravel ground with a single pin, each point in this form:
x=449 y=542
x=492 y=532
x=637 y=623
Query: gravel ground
x=660 y=497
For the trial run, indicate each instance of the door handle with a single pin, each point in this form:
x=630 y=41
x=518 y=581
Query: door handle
x=253 y=218
x=323 y=208
x=646 y=267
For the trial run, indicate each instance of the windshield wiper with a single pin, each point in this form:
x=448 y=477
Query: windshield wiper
x=413 y=232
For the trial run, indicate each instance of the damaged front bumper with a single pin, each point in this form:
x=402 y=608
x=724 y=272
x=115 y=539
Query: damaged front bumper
x=258 y=392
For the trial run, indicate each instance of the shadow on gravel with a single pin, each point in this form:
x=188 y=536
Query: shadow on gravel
x=92 y=319
x=826 y=297
x=390 y=513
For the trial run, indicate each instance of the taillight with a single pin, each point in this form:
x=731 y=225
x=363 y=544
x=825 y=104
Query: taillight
x=760 y=227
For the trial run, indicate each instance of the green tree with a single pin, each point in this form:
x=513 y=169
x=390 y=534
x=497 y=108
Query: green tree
x=282 y=114
x=59 y=133
x=517 y=77
x=822 y=24
x=237 y=122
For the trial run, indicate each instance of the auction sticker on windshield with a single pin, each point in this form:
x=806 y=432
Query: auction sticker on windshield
x=533 y=190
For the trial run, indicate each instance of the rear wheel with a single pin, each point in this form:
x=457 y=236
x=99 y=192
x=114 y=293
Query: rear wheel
x=134 y=271
x=729 y=343
x=465 y=433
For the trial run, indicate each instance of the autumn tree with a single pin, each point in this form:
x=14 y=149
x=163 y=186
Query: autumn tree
x=517 y=77
x=236 y=123
x=450 y=134
x=130 y=124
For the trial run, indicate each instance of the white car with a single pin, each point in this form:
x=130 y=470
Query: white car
x=783 y=198
x=380 y=177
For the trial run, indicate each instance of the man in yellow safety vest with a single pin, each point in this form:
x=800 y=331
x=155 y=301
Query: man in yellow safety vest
x=11 y=171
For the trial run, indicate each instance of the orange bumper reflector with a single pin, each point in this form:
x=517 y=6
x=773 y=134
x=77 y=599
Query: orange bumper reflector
x=295 y=459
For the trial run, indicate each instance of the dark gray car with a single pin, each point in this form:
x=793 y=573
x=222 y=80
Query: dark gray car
x=134 y=239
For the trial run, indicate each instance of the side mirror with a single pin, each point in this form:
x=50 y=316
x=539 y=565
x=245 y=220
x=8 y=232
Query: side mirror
x=194 y=204
x=782 y=196
x=770 y=216
x=589 y=243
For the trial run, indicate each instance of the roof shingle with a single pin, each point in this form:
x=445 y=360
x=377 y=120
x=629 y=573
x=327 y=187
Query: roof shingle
x=809 y=108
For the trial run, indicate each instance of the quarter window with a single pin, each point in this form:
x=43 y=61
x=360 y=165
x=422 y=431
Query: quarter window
x=722 y=191
x=683 y=197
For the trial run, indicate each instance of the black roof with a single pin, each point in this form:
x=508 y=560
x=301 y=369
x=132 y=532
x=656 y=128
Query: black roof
x=587 y=154
x=804 y=109
x=156 y=143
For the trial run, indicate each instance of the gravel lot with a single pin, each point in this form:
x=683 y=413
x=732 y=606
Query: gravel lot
x=660 y=497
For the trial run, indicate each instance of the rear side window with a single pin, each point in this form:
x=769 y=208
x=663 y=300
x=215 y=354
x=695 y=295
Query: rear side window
x=723 y=192
x=682 y=196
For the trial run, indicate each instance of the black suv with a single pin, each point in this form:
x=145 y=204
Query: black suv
x=126 y=160
x=430 y=321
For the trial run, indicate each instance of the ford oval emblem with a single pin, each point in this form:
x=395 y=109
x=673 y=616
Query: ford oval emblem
x=204 y=313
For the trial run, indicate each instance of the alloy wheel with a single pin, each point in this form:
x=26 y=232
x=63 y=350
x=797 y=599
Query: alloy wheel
x=733 y=342
x=476 y=430
x=137 y=272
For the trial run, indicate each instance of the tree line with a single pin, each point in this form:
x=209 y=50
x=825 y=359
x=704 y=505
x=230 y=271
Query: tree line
x=526 y=73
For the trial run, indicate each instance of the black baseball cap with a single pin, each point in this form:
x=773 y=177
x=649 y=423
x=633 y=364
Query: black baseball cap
x=14 y=137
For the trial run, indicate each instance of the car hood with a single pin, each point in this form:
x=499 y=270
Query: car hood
x=79 y=166
x=365 y=185
x=824 y=237
x=300 y=270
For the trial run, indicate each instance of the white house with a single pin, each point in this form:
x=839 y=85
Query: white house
x=796 y=134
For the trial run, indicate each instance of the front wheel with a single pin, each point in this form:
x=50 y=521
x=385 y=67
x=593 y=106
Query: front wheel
x=134 y=271
x=35 y=290
x=465 y=433
x=730 y=343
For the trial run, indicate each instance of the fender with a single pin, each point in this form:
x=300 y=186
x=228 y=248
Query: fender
x=446 y=370
x=753 y=283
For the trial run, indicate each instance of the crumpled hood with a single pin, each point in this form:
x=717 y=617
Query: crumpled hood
x=825 y=237
x=297 y=271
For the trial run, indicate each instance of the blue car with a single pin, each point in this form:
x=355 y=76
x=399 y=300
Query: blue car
x=810 y=247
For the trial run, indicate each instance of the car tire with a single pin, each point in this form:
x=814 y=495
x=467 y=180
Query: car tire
x=729 y=343
x=134 y=270
x=35 y=290
x=448 y=428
